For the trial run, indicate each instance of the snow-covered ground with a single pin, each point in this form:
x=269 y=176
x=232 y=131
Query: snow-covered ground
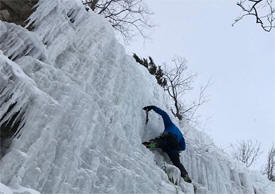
x=82 y=98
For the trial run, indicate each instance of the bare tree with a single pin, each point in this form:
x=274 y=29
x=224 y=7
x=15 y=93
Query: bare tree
x=126 y=16
x=262 y=10
x=270 y=166
x=247 y=152
x=178 y=84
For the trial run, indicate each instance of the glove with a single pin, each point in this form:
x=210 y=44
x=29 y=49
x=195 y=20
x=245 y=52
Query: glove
x=148 y=108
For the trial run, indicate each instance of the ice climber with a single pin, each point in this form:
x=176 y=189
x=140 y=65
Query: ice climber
x=171 y=141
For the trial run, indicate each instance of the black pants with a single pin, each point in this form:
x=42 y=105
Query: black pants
x=169 y=144
x=174 y=157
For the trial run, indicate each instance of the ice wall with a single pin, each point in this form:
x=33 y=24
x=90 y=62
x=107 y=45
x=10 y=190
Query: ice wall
x=83 y=123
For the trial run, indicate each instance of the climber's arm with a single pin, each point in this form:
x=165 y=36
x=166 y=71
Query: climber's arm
x=166 y=119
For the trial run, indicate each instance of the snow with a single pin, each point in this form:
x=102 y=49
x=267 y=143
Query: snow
x=82 y=98
x=19 y=190
x=4 y=189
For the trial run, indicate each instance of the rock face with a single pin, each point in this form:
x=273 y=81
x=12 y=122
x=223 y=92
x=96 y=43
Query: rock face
x=16 y=11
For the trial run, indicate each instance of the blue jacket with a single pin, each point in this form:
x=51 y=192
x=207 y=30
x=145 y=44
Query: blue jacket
x=170 y=127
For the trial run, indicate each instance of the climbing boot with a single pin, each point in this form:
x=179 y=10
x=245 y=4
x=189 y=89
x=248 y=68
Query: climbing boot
x=150 y=144
x=187 y=179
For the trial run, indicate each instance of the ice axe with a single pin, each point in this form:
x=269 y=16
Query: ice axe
x=147 y=117
x=147 y=109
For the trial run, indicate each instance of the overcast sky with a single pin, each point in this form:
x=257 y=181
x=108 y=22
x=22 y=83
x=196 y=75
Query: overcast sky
x=239 y=60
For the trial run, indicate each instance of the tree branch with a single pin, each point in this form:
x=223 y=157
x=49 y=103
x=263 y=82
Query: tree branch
x=262 y=10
